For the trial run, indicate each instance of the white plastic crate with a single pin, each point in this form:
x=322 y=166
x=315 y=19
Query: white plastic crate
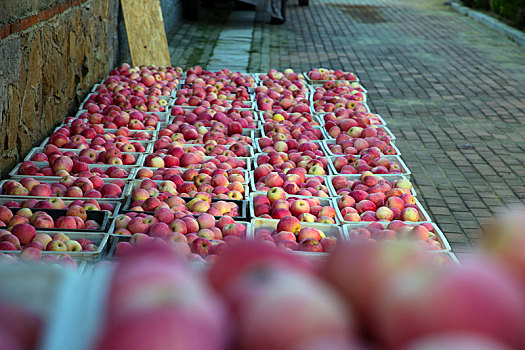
x=327 y=143
x=440 y=236
x=325 y=202
x=423 y=215
x=129 y=168
x=404 y=169
x=327 y=229
x=391 y=177
x=125 y=190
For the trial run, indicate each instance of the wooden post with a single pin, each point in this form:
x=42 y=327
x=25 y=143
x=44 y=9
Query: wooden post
x=145 y=31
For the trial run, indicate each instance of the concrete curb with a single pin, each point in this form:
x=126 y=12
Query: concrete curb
x=234 y=44
x=513 y=34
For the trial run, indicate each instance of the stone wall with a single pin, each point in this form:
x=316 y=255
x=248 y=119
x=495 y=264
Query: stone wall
x=51 y=54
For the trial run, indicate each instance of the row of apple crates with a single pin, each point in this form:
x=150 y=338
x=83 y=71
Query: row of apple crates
x=251 y=104
x=106 y=240
x=258 y=82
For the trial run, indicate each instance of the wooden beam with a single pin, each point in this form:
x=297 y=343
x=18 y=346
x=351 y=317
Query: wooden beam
x=145 y=31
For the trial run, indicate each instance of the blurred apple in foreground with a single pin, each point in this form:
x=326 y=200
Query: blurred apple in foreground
x=154 y=291
x=19 y=326
x=456 y=341
x=503 y=238
x=478 y=297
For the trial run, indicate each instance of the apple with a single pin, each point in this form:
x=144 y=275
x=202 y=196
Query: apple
x=138 y=225
x=73 y=246
x=310 y=232
x=30 y=254
x=205 y=220
x=234 y=229
x=299 y=207
x=410 y=214
x=60 y=237
x=384 y=213
x=201 y=246
x=290 y=224
x=66 y=222
x=77 y=210
x=453 y=287
x=42 y=238
x=159 y=229
x=11 y=238
x=5 y=214
x=24 y=232
x=5 y=245
x=276 y=193
x=263 y=306
x=310 y=245
x=56 y=245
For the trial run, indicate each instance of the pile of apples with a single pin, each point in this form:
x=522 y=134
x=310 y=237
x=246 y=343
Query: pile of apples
x=312 y=160
x=140 y=88
x=208 y=117
x=201 y=203
x=211 y=148
x=282 y=92
x=177 y=157
x=63 y=138
x=285 y=130
x=59 y=203
x=202 y=102
x=217 y=187
x=221 y=78
x=131 y=119
x=222 y=88
x=25 y=235
x=424 y=233
x=272 y=205
x=320 y=74
x=210 y=89
x=75 y=218
x=293 y=235
x=351 y=128
x=285 y=79
x=62 y=166
x=189 y=174
x=188 y=133
x=98 y=148
x=68 y=186
x=196 y=94
x=345 y=144
x=332 y=98
x=303 y=144
x=370 y=162
x=294 y=181
x=196 y=238
x=111 y=155
x=373 y=198
x=284 y=100
x=293 y=118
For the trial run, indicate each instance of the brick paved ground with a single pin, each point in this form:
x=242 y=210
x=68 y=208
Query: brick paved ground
x=451 y=90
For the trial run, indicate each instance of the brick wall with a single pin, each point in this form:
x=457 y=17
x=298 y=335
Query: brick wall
x=50 y=56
